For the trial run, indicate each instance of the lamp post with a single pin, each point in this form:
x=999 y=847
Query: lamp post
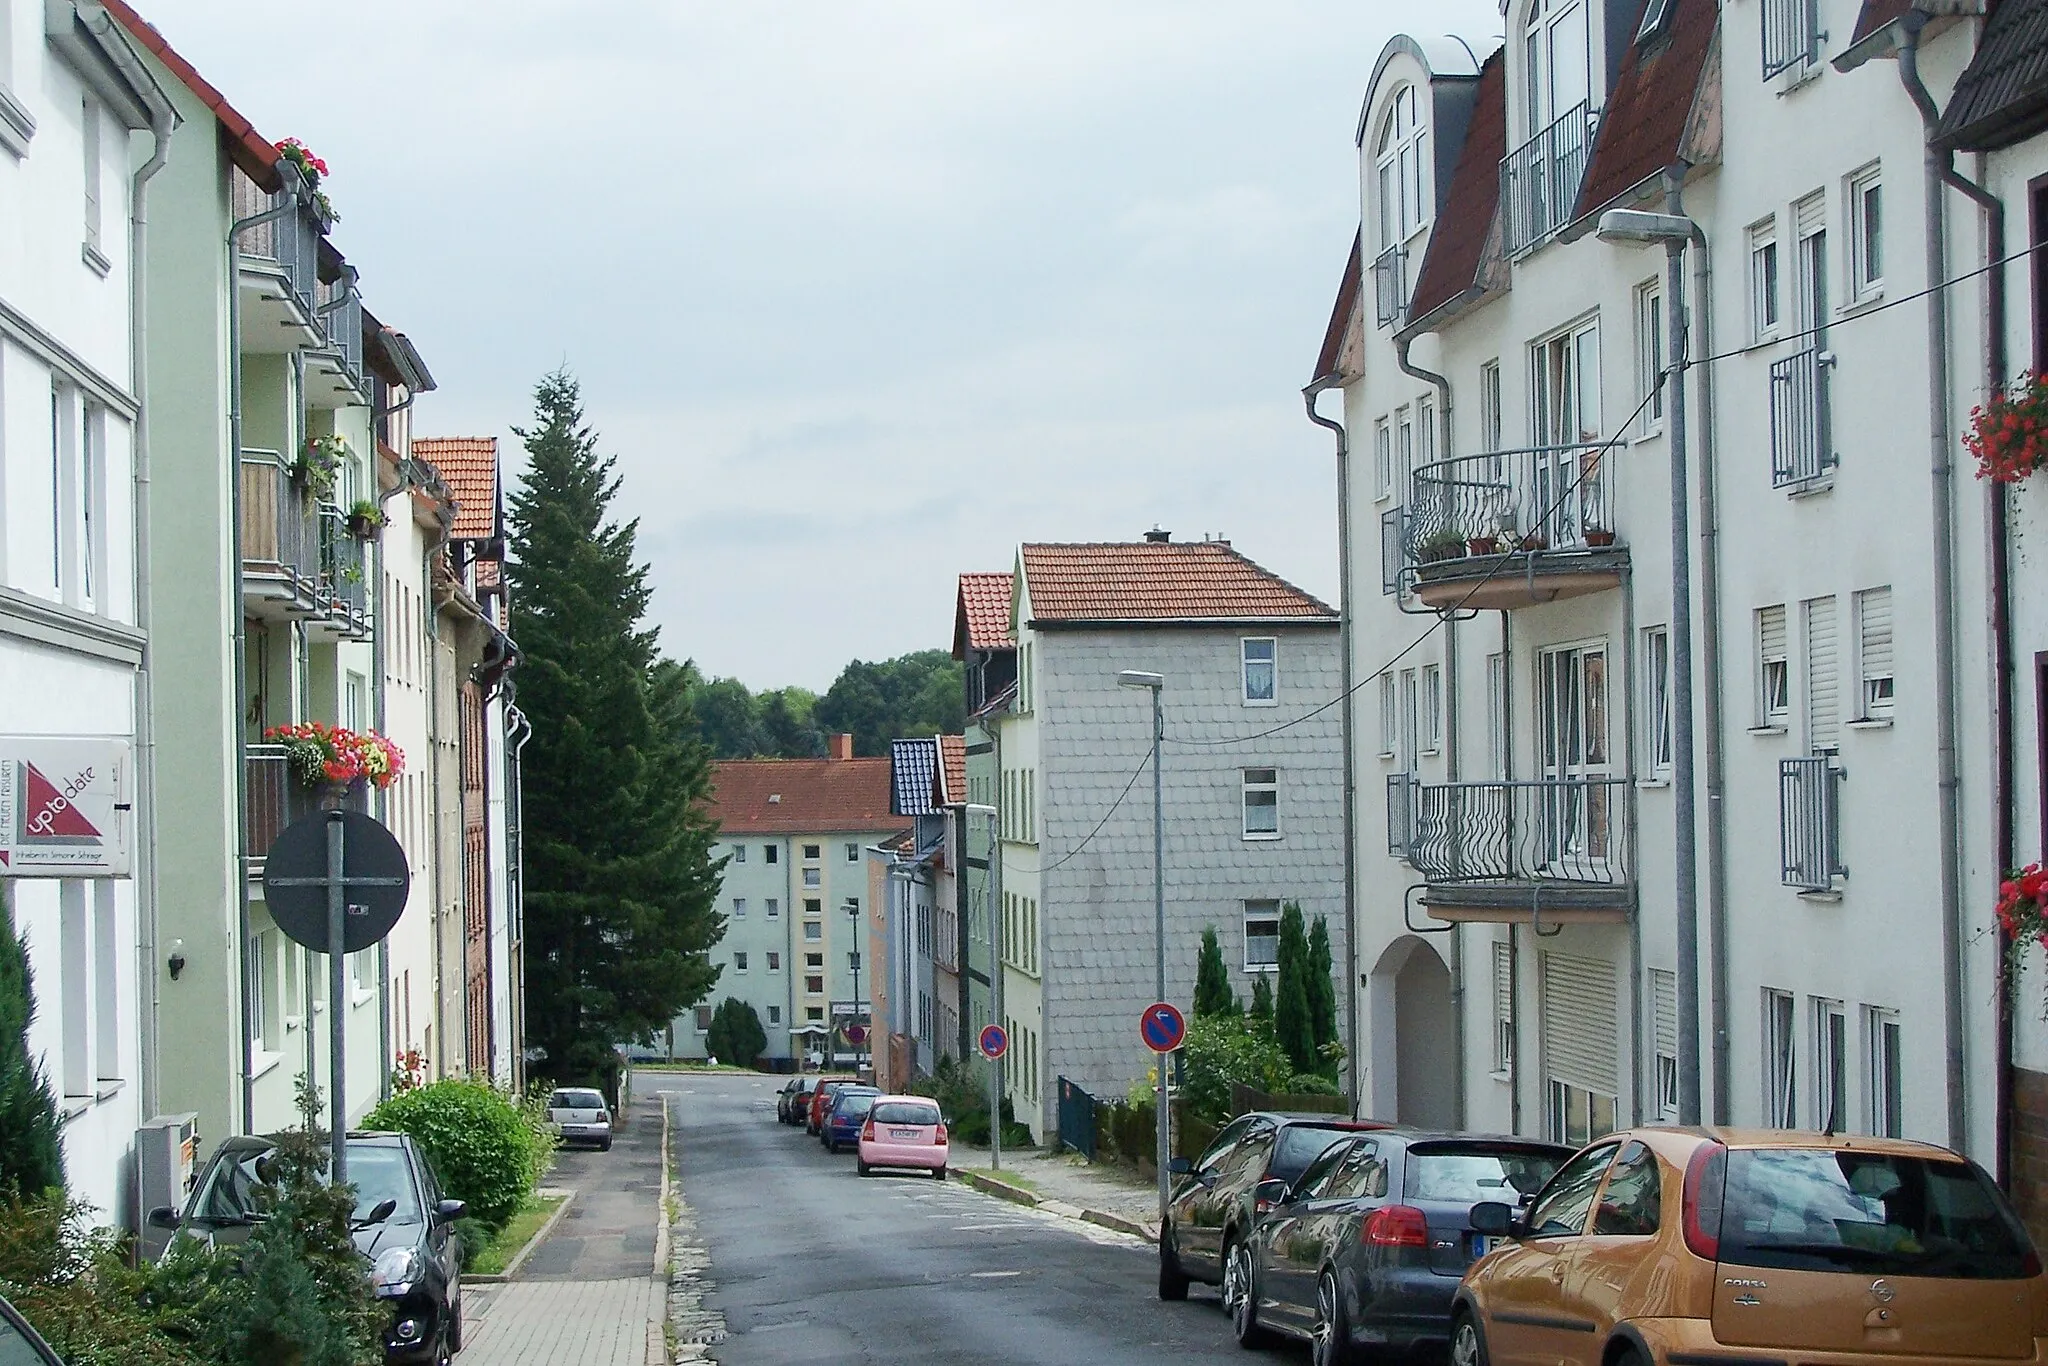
x=853 y=961
x=1156 y=685
x=1676 y=232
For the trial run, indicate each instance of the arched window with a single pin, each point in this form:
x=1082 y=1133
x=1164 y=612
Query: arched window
x=1402 y=164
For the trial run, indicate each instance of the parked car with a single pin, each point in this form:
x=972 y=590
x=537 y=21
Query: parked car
x=904 y=1131
x=849 y=1110
x=21 y=1344
x=1368 y=1246
x=580 y=1115
x=1657 y=1245
x=404 y=1227
x=794 y=1093
x=1218 y=1197
x=821 y=1101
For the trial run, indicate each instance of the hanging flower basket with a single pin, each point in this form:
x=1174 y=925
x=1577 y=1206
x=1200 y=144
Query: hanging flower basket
x=2023 y=916
x=322 y=756
x=319 y=465
x=2009 y=432
x=365 y=520
x=313 y=170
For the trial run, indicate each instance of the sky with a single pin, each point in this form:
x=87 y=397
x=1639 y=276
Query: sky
x=859 y=295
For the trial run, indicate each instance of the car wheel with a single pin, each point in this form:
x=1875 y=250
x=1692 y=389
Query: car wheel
x=1332 y=1335
x=1241 y=1295
x=1468 y=1346
x=939 y=1173
x=860 y=1165
x=832 y=1146
x=605 y=1146
x=1173 y=1282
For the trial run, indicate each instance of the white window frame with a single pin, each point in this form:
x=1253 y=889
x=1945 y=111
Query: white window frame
x=853 y=852
x=1410 y=717
x=1829 y=1021
x=1404 y=452
x=1884 y=1070
x=1780 y=1063
x=702 y=1019
x=1492 y=410
x=1503 y=1008
x=739 y=908
x=774 y=963
x=1271 y=663
x=1649 y=336
x=1766 y=280
x=1497 y=714
x=739 y=960
x=1656 y=674
x=1865 y=192
x=1773 y=670
x=1261 y=911
x=814 y=878
x=1388 y=721
x=775 y=1015
x=91 y=135
x=739 y=853
x=771 y=907
x=1432 y=737
x=814 y=931
x=1664 y=1061
x=1876 y=670
x=1261 y=782
x=814 y=853
x=1401 y=171
x=1383 y=457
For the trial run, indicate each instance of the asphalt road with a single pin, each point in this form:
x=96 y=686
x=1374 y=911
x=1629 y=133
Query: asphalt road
x=809 y=1263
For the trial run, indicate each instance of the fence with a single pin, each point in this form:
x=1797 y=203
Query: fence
x=1539 y=181
x=1810 y=823
x=1541 y=498
x=1077 y=1119
x=1791 y=34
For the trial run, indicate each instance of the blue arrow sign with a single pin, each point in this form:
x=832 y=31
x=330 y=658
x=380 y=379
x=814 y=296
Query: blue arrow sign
x=1162 y=1027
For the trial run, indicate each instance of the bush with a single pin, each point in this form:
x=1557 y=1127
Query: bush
x=71 y=1280
x=961 y=1089
x=485 y=1147
x=1312 y=1084
x=1222 y=1051
x=31 y=1160
x=736 y=1035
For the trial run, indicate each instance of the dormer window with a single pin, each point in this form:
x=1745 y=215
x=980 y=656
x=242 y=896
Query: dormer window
x=1403 y=170
x=1557 y=70
x=1540 y=178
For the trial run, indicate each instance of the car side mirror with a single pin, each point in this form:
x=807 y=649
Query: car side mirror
x=164 y=1217
x=1492 y=1219
x=448 y=1211
x=1180 y=1166
x=379 y=1212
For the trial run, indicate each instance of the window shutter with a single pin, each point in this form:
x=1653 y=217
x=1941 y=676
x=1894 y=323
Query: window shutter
x=1875 y=628
x=1580 y=1036
x=1823 y=675
x=1664 y=1011
x=1771 y=633
x=1503 y=980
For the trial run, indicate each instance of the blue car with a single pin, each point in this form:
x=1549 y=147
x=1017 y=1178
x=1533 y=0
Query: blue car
x=850 y=1106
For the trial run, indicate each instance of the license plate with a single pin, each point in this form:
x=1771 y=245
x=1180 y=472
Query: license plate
x=1480 y=1246
x=903 y=1133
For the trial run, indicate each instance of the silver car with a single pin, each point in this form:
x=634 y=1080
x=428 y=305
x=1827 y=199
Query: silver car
x=580 y=1115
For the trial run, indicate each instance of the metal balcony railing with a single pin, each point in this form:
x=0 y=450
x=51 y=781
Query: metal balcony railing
x=1810 y=823
x=1401 y=790
x=1791 y=34
x=276 y=797
x=1390 y=286
x=280 y=532
x=1542 y=498
x=1393 y=555
x=1802 y=446
x=342 y=317
x=1539 y=181
x=343 y=577
x=1572 y=831
x=293 y=241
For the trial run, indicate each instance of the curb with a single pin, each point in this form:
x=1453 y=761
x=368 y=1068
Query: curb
x=1018 y=1195
x=511 y=1271
x=657 y=1331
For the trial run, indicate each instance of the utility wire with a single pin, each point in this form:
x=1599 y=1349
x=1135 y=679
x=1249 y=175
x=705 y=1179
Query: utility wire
x=1089 y=838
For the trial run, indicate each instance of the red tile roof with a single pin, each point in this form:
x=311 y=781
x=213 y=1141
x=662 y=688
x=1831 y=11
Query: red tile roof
x=981 y=616
x=1159 y=581
x=802 y=796
x=953 y=753
x=487 y=574
x=1329 y=359
x=469 y=466
x=251 y=150
x=1643 y=130
x=2002 y=98
x=1457 y=244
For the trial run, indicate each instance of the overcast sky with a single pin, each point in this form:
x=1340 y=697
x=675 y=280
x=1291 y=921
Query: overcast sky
x=861 y=295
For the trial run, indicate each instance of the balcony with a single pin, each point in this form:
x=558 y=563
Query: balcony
x=1802 y=444
x=1390 y=286
x=280 y=265
x=1791 y=35
x=280 y=540
x=275 y=798
x=1513 y=528
x=1557 y=851
x=1539 y=181
x=1810 y=823
x=344 y=580
x=334 y=373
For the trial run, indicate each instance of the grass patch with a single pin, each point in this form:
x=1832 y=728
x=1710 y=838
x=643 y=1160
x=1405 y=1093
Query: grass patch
x=491 y=1258
x=1007 y=1177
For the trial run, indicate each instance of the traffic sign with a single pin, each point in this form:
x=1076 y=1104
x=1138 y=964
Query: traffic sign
x=856 y=1034
x=1162 y=1027
x=375 y=880
x=995 y=1041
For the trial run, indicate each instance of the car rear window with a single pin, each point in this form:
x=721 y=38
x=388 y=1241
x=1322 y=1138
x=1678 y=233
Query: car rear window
x=1301 y=1144
x=1468 y=1174
x=1874 y=1214
x=898 y=1112
x=576 y=1100
x=854 y=1102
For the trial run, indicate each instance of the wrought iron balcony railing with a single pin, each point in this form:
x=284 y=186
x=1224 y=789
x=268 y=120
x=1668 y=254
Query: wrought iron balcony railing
x=1542 y=498
x=275 y=797
x=1570 y=831
x=1802 y=444
x=1791 y=34
x=1810 y=823
x=342 y=564
x=1539 y=181
x=280 y=531
x=1401 y=790
x=1390 y=286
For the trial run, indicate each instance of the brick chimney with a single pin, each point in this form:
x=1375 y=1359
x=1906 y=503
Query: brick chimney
x=839 y=746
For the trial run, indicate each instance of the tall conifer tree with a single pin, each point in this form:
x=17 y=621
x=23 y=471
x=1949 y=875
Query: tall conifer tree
x=1292 y=1000
x=620 y=878
x=1213 y=995
x=31 y=1160
x=1322 y=997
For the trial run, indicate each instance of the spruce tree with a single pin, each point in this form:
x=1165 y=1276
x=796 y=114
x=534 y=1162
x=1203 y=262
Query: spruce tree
x=1322 y=999
x=736 y=1035
x=1213 y=995
x=31 y=1159
x=620 y=878
x=1291 y=1004
x=1262 y=998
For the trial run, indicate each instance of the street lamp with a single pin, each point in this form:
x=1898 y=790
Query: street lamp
x=853 y=961
x=1156 y=685
x=1676 y=232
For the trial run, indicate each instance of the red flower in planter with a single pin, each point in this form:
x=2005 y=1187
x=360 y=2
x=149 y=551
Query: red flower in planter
x=2009 y=431
x=2023 y=916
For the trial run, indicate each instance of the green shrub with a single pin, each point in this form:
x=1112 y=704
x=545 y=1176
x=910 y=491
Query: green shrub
x=1312 y=1084
x=486 y=1149
x=31 y=1160
x=1222 y=1051
x=736 y=1035
x=71 y=1280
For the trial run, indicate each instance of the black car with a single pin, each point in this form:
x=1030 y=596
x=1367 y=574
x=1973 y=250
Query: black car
x=1368 y=1247
x=404 y=1227
x=793 y=1101
x=1219 y=1196
x=20 y=1344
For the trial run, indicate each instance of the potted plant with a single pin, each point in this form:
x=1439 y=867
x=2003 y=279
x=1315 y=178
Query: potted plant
x=312 y=170
x=1533 y=540
x=1442 y=544
x=2009 y=431
x=1482 y=545
x=319 y=465
x=2023 y=916
x=335 y=758
x=365 y=519
x=1597 y=536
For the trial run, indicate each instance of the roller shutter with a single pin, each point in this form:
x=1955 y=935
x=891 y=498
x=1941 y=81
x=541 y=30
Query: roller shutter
x=1581 y=1031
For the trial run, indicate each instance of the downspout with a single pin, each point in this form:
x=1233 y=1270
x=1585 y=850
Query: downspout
x=433 y=615
x=1348 y=715
x=1442 y=385
x=515 y=858
x=240 y=637
x=1714 y=743
x=1937 y=174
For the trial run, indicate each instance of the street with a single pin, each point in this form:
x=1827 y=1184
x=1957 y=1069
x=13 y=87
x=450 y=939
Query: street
x=811 y=1263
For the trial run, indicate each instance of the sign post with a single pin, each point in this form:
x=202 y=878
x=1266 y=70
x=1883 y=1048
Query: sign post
x=995 y=1041
x=1163 y=1030
x=309 y=877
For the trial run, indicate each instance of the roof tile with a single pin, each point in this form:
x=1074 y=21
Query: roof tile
x=469 y=466
x=1643 y=129
x=809 y=796
x=1159 y=581
x=1457 y=243
x=2002 y=97
x=953 y=750
x=981 y=619
x=251 y=151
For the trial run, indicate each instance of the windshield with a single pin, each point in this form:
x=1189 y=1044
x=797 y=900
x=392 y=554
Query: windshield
x=1301 y=1144
x=1468 y=1176
x=378 y=1171
x=576 y=1100
x=1876 y=1214
x=898 y=1112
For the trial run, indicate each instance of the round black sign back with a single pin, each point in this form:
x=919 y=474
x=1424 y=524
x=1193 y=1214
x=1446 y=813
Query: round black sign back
x=375 y=880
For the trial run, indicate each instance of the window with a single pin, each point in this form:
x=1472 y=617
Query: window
x=1561 y=1211
x=1425 y=433
x=814 y=877
x=1830 y=1065
x=814 y=1014
x=1773 y=673
x=813 y=906
x=739 y=962
x=853 y=853
x=1781 y=1053
x=1650 y=357
x=1791 y=38
x=1401 y=162
x=1432 y=709
x=1874 y=684
x=1410 y=720
x=1810 y=262
x=1656 y=666
x=813 y=852
x=1503 y=1008
x=89 y=140
x=1763 y=279
x=772 y=908
x=1884 y=1052
x=1557 y=63
x=775 y=1015
x=774 y=962
x=813 y=931
x=1260 y=661
x=1491 y=422
x=1823 y=676
x=262 y=993
x=771 y=853
x=1261 y=803
x=739 y=853
x=1565 y=415
x=1261 y=936
x=739 y=908
x=1404 y=453
x=1866 y=234
x=1664 y=1024
x=1497 y=714
x=1632 y=1199
x=703 y=1019
x=814 y=986
x=1383 y=457
x=1387 y=727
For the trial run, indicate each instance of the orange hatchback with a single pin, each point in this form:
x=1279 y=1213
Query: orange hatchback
x=1702 y=1247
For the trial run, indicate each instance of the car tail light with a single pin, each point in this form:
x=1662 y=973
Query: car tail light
x=939 y=1134
x=1706 y=1176
x=867 y=1132
x=1395 y=1226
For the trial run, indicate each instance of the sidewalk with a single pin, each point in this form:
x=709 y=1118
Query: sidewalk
x=1066 y=1183
x=562 y=1323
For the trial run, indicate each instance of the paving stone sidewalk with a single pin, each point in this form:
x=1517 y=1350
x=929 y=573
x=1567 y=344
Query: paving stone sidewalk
x=561 y=1323
x=1068 y=1179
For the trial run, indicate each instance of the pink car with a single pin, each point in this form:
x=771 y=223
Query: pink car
x=904 y=1131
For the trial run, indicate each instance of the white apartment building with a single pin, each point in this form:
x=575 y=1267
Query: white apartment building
x=1509 y=567
x=79 y=123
